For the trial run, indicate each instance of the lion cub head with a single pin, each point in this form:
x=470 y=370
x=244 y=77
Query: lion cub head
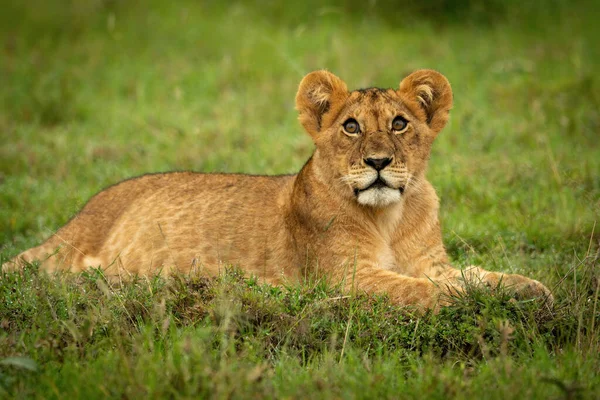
x=372 y=145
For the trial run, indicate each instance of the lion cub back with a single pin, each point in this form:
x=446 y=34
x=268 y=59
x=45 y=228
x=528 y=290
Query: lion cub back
x=176 y=221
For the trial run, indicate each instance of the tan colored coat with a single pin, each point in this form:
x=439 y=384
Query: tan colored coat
x=360 y=212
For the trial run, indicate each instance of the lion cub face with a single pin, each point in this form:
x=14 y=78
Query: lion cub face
x=373 y=144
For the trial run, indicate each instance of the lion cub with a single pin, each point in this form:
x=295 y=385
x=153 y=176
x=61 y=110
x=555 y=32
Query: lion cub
x=360 y=212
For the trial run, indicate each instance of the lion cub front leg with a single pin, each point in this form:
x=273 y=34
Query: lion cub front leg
x=403 y=290
x=521 y=286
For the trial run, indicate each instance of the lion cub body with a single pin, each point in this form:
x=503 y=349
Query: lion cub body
x=360 y=212
x=175 y=222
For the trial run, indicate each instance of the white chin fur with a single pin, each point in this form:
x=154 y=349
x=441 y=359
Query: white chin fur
x=379 y=197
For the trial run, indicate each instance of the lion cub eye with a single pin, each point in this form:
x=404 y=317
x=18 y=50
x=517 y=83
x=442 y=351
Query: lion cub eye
x=399 y=124
x=351 y=126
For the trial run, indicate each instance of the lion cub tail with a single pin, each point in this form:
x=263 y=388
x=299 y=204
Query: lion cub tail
x=48 y=254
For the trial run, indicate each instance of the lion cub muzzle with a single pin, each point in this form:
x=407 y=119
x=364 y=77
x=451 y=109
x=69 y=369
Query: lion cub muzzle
x=379 y=183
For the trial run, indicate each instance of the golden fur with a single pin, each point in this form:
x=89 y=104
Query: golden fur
x=360 y=212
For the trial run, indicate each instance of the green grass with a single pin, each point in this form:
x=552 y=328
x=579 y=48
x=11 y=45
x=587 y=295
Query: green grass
x=94 y=92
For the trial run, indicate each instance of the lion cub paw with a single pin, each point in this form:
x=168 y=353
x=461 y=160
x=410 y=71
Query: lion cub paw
x=532 y=289
x=527 y=289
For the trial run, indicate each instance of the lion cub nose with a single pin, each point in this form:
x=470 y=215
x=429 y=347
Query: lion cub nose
x=378 y=163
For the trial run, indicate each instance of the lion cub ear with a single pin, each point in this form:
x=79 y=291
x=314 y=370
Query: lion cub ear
x=432 y=92
x=318 y=93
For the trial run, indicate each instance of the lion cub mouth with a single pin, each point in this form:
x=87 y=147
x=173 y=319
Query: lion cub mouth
x=378 y=194
x=378 y=184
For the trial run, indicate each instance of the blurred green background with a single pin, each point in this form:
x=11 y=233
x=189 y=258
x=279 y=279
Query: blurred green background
x=93 y=92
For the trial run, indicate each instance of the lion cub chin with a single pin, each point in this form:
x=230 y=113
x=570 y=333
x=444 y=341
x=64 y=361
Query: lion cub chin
x=379 y=197
x=360 y=213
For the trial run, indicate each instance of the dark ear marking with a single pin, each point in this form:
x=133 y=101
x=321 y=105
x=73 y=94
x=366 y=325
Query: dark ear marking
x=324 y=109
x=425 y=95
